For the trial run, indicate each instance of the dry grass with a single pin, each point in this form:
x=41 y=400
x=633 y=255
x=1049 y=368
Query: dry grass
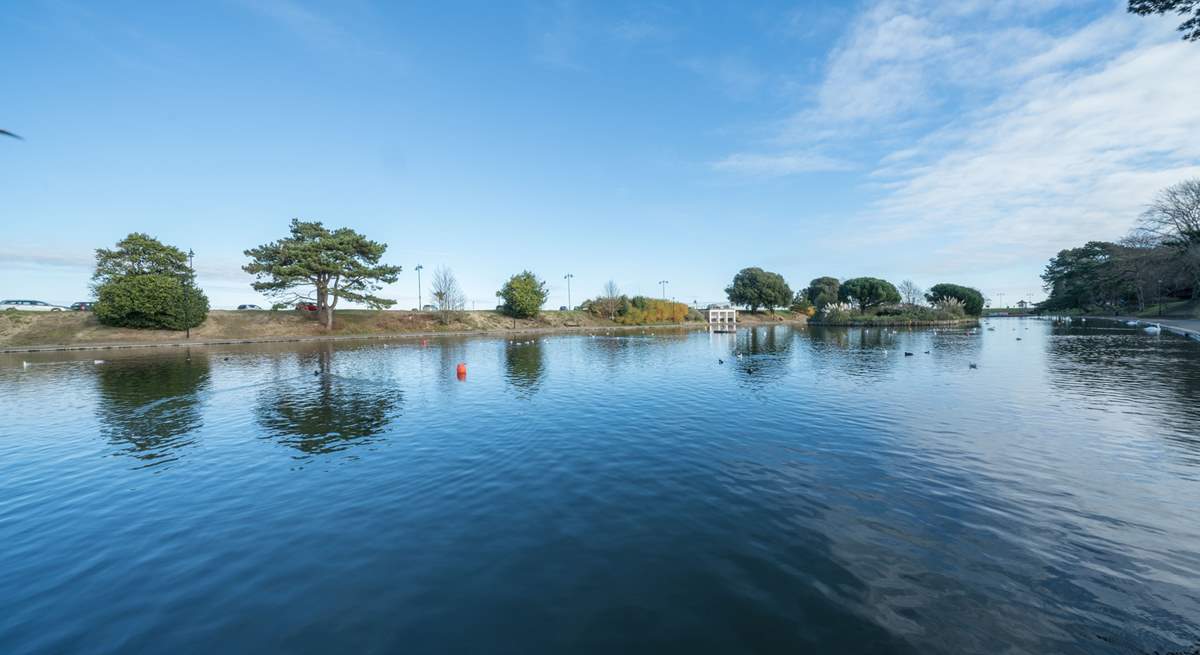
x=20 y=329
x=26 y=329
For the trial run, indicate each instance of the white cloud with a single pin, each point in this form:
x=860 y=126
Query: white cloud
x=777 y=165
x=999 y=142
x=1067 y=158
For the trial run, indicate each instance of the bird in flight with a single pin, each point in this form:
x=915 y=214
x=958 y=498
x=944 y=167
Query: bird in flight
x=7 y=133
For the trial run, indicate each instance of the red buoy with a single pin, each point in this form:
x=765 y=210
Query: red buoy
x=462 y=371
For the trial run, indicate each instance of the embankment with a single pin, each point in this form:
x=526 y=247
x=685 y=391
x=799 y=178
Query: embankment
x=29 y=331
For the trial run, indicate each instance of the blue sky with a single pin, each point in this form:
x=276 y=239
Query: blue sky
x=963 y=142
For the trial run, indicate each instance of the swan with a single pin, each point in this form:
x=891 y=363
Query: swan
x=1153 y=329
x=1131 y=323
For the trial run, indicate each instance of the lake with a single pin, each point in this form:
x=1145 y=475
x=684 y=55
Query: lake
x=778 y=490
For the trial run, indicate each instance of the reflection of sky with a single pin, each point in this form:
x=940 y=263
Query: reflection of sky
x=1059 y=472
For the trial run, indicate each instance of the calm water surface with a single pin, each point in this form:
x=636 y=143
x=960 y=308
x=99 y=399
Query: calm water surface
x=819 y=491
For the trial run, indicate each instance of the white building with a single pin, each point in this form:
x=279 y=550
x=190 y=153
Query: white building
x=721 y=318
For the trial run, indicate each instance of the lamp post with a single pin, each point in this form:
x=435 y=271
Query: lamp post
x=187 y=296
x=418 y=269
x=663 y=284
x=568 y=277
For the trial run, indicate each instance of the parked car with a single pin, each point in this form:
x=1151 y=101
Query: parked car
x=562 y=308
x=30 y=306
x=306 y=307
x=83 y=306
x=243 y=307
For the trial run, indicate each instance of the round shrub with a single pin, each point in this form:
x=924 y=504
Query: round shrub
x=972 y=299
x=150 y=301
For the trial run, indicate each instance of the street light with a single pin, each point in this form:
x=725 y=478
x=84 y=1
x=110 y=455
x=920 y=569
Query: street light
x=418 y=269
x=663 y=284
x=568 y=277
x=187 y=296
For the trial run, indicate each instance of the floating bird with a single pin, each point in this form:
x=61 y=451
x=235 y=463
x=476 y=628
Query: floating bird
x=908 y=354
x=1131 y=323
x=973 y=365
x=926 y=352
x=97 y=361
x=720 y=361
x=1018 y=338
x=316 y=372
x=15 y=136
x=1153 y=329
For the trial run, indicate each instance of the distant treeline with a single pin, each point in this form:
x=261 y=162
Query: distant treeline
x=1158 y=261
x=144 y=283
x=856 y=300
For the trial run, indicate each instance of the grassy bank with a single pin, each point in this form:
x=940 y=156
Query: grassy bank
x=1007 y=311
x=80 y=329
x=843 y=315
x=893 y=321
x=1177 y=309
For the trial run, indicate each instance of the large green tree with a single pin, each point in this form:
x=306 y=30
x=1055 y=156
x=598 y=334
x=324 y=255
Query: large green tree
x=1189 y=27
x=971 y=298
x=1087 y=277
x=754 y=288
x=523 y=295
x=144 y=283
x=868 y=292
x=822 y=291
x=318 y=265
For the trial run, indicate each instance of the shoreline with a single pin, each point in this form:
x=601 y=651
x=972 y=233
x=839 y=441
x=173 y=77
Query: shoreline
x=292 y=332
x=1190 y=329
x=871 y=324
x=183 y=343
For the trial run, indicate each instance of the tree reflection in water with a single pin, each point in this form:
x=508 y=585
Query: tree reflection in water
x=151 y=409
x=319 y=412
x=765 y=354
x=1104 y=364
x=524 y=366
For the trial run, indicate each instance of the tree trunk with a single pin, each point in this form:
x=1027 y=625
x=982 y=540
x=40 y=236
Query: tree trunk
x=324 y=311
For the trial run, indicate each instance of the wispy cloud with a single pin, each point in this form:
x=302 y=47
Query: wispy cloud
x=1066 y=156
x=300 y=21
x=1000 y=137
x=736 y=76
x=320 y=31
x=779 y=165
x=33 y=257
x=637 y=31
x=557 y=35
